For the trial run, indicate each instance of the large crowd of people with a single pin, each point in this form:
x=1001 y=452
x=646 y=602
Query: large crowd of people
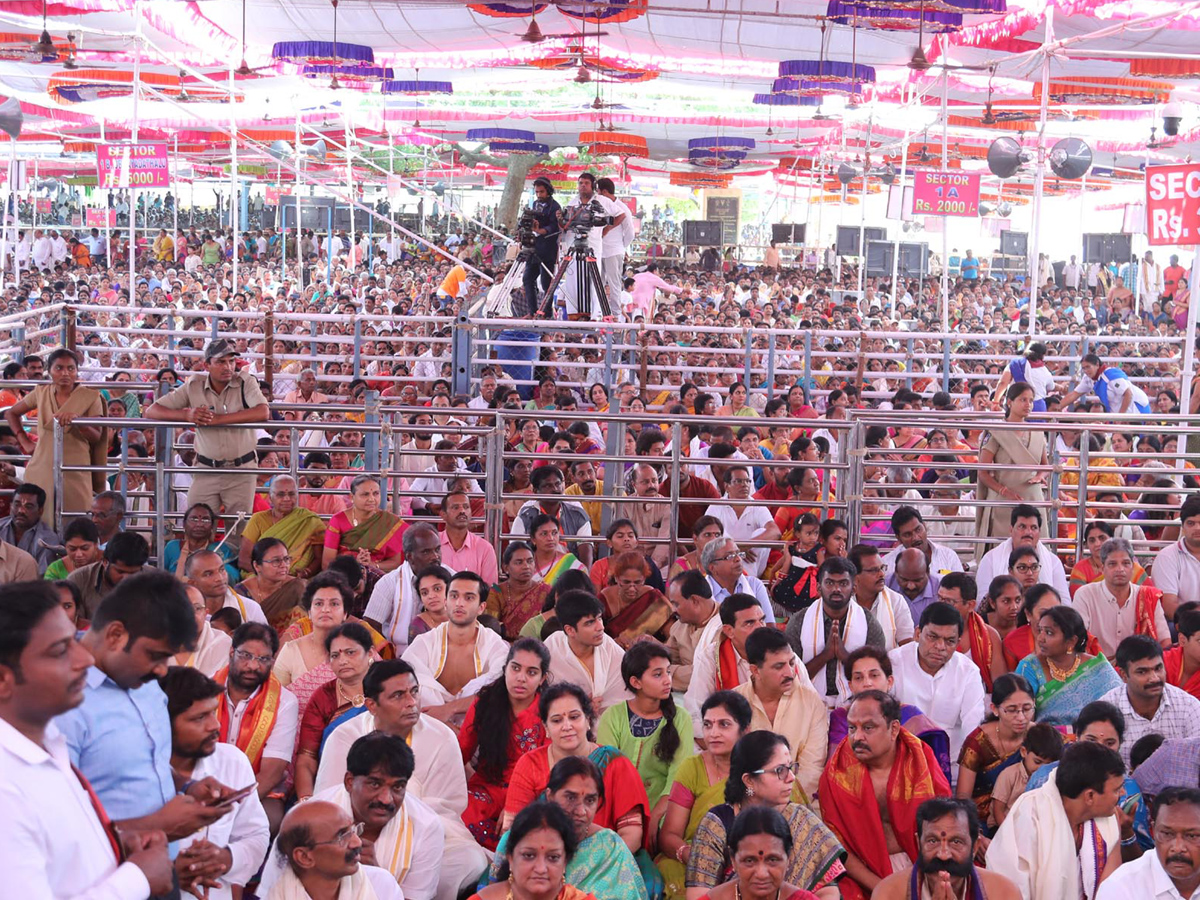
x=724 y=678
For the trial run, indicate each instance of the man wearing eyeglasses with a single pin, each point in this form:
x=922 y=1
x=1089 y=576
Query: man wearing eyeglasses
x=383 y=825
x=319 y=849
x=229 y=851
x=745 y=520
x=256 y=714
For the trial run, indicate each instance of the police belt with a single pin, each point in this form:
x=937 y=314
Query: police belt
x=225 y=463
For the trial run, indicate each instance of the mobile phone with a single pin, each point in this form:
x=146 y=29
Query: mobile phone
x=1130 y=805
x=235 y=796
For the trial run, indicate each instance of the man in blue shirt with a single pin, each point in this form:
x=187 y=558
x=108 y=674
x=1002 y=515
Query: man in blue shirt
x=970 y=268
x=120 y=736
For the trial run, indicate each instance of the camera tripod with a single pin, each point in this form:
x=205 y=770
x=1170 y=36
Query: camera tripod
x=499 y=303
x=587 y=280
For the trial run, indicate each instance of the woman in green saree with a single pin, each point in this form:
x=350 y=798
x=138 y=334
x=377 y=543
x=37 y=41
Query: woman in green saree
x=699 y=786
x=371 y=534
x=549 y=558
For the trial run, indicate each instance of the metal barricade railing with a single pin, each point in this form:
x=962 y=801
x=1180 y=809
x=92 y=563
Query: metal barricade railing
x=767 y=360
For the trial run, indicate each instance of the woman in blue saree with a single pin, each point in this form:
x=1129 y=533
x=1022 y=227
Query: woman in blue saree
x=1063 y=675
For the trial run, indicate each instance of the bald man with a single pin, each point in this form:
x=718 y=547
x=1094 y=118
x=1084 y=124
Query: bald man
x=212 y=647
x=205 y=571
x=913 y=579
x=321 y=848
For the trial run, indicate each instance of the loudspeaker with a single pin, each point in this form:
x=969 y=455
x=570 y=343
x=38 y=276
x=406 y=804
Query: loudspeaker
x=879 y=258
x=702 y=233
x=787 y=234
x=1105 y=248
x=847 y=239
x=1014 y=243
x=913 y=260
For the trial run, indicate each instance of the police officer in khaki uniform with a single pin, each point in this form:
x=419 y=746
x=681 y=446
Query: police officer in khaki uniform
x=224 y=396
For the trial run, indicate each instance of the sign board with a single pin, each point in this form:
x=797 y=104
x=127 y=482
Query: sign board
x=132 y=165
x=76 y=220
x=43 y=206
x=946 y=194
x=726 y=210
x=99 y=218
x=1173 y=204
x=274 y=195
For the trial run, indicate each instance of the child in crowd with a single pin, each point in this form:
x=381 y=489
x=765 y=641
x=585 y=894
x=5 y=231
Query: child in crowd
x=1043 y=744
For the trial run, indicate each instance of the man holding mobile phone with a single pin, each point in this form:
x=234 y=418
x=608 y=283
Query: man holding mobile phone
x=231 y=849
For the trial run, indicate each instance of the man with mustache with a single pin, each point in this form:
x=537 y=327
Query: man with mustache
x=827 y=632
x=53 y=833
x=932 y=675
x=871 y=789
x=946 y=834
x=1175 y=862
x=230 y=850
x=398 y=832
x=784 y=701
x=120 y=736
x=318 y=854
x=1150 y=705
x=393 y=699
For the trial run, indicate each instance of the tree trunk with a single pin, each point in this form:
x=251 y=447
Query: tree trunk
x=514 y=186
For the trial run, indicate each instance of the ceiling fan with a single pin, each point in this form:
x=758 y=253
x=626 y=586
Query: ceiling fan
x=534 y=34
x=244 y=70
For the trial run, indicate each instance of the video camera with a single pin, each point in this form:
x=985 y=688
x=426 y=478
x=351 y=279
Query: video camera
x=525 y=225
x=590 y=215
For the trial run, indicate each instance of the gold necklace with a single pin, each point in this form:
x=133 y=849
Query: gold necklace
x=1062 y=674
x=737 y=889
x=357 y=700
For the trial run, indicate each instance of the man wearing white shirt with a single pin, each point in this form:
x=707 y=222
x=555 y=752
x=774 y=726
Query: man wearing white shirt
x=55 y=842
x=1026 y=532
x=745 y=520
x=228 y=852
x=43 y=250
x=393 y=694
x=1071 y=274
x=394 y=600
x=909 y=527
x=205 y=571
x=1172 y=870
x=889 y=607
x=595 y=241
x=317 y=856
x=931 y=675
x=616 y=237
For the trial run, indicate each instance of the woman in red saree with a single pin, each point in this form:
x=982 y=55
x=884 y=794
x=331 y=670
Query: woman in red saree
x=566 y=711
x=519 y=597
x=502 y=725
x=630 y=608
x=373 y=535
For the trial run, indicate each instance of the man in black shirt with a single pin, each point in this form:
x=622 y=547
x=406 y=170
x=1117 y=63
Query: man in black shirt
x=545 y=214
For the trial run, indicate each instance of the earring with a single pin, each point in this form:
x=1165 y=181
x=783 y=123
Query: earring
x=749 y=792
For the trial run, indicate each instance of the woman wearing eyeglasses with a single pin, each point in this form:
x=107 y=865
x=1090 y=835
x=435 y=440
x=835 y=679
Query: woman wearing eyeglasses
x=996 y=744
x=762 y=773
x=276 y=591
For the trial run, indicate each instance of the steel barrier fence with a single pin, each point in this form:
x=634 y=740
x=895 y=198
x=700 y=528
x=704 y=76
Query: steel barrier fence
x=768 y=361
x=849 y=478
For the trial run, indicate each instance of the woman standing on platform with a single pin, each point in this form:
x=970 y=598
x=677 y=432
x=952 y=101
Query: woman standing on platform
x=1020 y=451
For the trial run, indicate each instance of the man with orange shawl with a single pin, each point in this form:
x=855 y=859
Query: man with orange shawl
x=256 y=714
x=980 y=641
x=720 y=662
x=870 y=791
x=1183 y=660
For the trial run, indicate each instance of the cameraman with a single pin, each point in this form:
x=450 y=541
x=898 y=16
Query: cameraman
x=546 y=212
x=617 y=238
x=595 y=240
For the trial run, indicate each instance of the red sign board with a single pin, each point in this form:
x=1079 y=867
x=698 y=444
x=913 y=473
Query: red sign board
x=98 y=218
x=946 y=194
x=274 y=195
x=132 y=165
x=43 y=205
x=1173 y=204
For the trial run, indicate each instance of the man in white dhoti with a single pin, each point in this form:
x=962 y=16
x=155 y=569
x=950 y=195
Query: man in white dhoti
x=400 y=833
x=393 y=692
x=318 y=850
x=1037 y=845
x=583 y=654
x=460 y=656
